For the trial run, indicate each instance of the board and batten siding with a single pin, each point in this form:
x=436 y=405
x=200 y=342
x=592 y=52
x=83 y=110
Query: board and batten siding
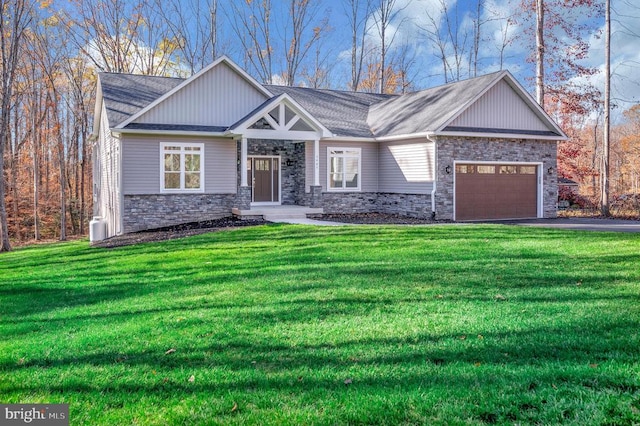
x=500 y=108
x=406 y=167
x=107 y=178
x=368 y=166
x=220 y=97
x=141 y=164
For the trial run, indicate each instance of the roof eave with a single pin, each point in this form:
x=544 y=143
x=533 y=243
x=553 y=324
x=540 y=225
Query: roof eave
x=501 y=135
x=117 y=132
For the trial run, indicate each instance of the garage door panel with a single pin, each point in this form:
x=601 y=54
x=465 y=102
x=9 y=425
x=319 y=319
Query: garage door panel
x=495 y=191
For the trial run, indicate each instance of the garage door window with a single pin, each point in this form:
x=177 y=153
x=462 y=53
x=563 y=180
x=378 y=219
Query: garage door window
x=486 y=169
x=465 y=168
x=527 y=170
x=508 y=170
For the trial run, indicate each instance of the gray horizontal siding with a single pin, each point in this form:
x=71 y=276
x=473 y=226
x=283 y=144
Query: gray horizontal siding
x=106 y=178
x=219 y=97
x=406 y=167
x=500 y=108
x=368 y=167
x=141 y=164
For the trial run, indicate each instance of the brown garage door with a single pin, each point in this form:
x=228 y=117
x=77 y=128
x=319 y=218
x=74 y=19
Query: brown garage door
x=496 y=191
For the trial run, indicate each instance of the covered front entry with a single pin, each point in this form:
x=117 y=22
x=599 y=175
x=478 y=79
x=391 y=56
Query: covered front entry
x=264 y=174
x=496 y=191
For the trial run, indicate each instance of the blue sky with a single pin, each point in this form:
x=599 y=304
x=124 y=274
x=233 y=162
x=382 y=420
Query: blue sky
x=427 y=69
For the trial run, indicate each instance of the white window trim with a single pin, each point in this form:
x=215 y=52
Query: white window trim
x=344 y=148
x=182 y=146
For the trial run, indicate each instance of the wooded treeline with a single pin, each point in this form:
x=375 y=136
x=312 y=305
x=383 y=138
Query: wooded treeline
x=50 y=53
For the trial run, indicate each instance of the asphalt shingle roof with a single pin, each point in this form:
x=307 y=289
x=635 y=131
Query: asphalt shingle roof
x=126 y=94
x=343 y=113
x=426 y=110
x=346 y=114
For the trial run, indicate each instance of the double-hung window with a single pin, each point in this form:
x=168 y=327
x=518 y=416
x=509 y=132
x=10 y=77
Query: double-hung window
x=343 y=169
x=181 y=166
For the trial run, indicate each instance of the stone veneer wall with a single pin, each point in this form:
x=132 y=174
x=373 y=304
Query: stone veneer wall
x=489 y=149
x=412 y=205
x=349 y=202
x=155 y=211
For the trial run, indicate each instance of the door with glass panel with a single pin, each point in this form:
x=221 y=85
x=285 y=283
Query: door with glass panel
x=264 y=175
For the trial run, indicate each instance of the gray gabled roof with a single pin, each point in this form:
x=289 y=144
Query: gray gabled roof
x=426 y=110
x=126 y=94
x=343 y=113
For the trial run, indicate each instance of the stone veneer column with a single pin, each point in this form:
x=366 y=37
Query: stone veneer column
x=316 y=197
x=243 y=198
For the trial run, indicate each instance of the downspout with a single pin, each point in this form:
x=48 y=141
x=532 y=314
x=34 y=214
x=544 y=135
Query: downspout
x=435 y=175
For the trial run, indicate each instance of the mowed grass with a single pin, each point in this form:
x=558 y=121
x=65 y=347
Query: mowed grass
x=305 y=325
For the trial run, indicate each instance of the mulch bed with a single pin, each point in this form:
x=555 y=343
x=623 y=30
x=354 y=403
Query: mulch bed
x=195 y=228
x=177 y=231
x=374 y=219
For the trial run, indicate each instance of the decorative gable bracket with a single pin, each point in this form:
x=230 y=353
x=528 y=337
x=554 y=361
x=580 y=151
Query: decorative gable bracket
x=280 y=118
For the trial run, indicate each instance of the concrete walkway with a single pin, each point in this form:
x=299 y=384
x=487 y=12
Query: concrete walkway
x=300 y=221
x=583 y=224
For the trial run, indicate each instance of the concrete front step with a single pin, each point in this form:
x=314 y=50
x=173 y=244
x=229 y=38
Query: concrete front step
x=277 y=213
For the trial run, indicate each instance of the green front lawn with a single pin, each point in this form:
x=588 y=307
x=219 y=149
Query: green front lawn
x=348 y=325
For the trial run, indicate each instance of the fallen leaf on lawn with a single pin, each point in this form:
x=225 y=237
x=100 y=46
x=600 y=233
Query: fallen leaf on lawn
x=21 y=361
x=500 y=297
x=463 y=337
x=593 y=365
x=477 y=364
x=480 y=336
x=554 y=386
x=170 y=351
x=299 y=378
x=235 y=407
x=192 y=379
x=348 y=382
x=439 y=296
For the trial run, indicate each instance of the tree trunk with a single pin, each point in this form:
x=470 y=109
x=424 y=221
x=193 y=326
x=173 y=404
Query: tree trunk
x=604 y=202
x=540 y=52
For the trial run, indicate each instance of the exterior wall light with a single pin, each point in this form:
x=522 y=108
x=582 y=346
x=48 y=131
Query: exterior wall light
x=447 y=170
x=550 y=170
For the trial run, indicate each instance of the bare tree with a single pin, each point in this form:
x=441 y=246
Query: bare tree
x=104 y=32
x=358 y=13
x=302 y=14
x=16 y=18
x=386 y=14
x=451 y=41
x=193 y=25
x=251 y=21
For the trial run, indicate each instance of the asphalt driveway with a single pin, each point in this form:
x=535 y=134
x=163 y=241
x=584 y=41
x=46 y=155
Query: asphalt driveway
x=583 y=224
